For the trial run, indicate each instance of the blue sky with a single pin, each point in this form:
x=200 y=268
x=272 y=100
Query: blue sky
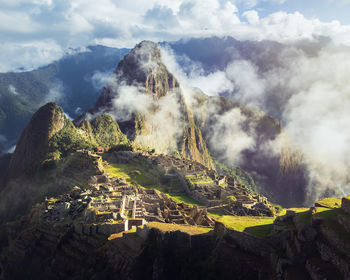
x=325 y=10
x=35 y=32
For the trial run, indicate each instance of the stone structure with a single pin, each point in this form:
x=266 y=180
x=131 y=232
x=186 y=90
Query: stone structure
x=111 y=206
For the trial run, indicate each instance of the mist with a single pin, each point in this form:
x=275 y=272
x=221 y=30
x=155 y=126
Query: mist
x=56 y=93
x=306 y=87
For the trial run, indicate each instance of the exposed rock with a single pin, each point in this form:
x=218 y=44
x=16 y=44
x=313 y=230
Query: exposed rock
x=143 y=66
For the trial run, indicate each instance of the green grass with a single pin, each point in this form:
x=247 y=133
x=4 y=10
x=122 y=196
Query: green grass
x=216 y=215
x=134 y=174
x=185 y=199
x=203 y=182
x=257 y=226
x=329 y=202
x=192 y=230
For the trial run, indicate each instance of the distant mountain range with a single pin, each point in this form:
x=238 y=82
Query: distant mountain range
x=74 y=82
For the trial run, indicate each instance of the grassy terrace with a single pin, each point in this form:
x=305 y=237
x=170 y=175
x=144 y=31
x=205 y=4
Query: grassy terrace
x=329 y=203
x=120 y=234
x=148 y=176
x=257 y=226
x=199 y=179
x=179 y=198
x=192 y=230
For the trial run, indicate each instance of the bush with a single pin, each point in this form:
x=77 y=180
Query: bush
x=230 y=199
x=122 y=147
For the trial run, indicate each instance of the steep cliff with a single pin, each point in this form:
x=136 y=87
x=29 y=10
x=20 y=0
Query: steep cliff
x=158 y=110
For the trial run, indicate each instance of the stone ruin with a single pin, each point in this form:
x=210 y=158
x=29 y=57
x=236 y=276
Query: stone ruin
x=210 y=188
x=111 y=206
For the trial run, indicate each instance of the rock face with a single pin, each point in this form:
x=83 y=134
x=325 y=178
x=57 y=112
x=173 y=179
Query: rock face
x=144 y=70
x=33 y=143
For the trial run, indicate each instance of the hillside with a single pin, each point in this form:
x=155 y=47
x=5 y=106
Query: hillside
x=65 y=81
x=118 y=224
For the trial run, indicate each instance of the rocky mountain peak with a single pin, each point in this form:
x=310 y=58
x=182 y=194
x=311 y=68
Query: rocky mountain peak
x=144 y=71
x=144 y=67
x=33 y=143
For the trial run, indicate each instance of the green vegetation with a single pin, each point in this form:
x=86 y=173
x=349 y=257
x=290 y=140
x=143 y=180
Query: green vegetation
x=33 y=87
x=184 y=199
x=67 y=140
x=122 y=147
x=257 y=226
x=279 y=210
x=106 y=131
x=198 y=179
x=192 y=230
x=120 y=234
x=230 y=199
x=241 y=176
x=145 y=175
x=329 y=202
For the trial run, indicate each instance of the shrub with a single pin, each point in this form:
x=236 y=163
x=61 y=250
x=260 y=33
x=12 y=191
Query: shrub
x=230 y=199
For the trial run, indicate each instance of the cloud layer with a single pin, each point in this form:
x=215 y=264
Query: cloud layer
x=36 y=32
x=305 y=86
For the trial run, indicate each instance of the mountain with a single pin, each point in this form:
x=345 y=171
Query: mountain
x=143 y=73
x=216 y=53
x=185 y=131
x=45 y=159
x=281 y=176
x=50 y=135
x=73 y=82
x=138 y=198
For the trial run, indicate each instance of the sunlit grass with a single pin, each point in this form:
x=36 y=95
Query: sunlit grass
x=329 y=202
x=257 y=226
x=184 y=199
x=192 y=230
x=133 y=174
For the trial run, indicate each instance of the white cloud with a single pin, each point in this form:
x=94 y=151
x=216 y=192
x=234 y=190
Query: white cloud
x=13 y=90
x=28 y=55
x=252 y=17
x=230 y=134
x=310 y=93
x=100 y=79
x=11 y=150
x=36 y=32
x=56 y=93
x=212 y=84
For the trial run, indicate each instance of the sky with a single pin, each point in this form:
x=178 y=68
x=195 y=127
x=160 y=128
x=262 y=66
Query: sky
x=34 y=33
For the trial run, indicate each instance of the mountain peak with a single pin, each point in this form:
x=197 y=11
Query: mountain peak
x=33 y=143
x=143 y=66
